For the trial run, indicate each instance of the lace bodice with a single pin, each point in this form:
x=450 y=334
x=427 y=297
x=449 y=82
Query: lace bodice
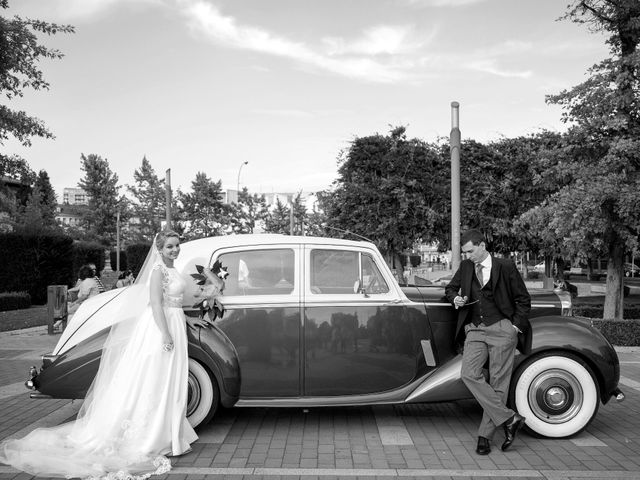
x=173 y=286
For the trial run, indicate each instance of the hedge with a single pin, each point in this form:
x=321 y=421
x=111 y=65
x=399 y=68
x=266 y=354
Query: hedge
x=623 y=333
x=136 y=254
x=35 y=261
x=114 y=260
x=14 y=301
x=87 y=252
x=39 y=260
x=631 y=311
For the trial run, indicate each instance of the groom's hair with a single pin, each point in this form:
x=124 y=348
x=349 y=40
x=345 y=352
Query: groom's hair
x=474 y=236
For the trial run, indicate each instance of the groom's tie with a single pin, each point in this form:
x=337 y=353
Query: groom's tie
x=479 y=273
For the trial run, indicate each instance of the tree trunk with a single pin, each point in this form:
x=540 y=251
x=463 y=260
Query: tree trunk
x=613 y=301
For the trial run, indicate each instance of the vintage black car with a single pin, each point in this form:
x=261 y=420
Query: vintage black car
x=315 y=322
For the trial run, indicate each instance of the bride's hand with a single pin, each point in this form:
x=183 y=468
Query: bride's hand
x=167 y=343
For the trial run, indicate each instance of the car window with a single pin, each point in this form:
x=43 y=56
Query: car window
x=337 y=271
x=259 y=272
x=372 y=279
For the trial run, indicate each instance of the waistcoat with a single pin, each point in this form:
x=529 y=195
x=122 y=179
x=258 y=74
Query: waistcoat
x=485 y=310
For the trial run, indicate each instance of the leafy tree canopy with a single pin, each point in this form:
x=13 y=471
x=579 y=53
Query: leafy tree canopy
x=149 y=199
x=599 y=210
x=20 y=56
x=390 y=190
x=101 y=185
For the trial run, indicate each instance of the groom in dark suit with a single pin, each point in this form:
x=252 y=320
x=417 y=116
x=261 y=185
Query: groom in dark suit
x=494 y=306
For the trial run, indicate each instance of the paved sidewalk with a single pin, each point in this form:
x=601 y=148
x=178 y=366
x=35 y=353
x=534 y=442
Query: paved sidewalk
x=423 y=441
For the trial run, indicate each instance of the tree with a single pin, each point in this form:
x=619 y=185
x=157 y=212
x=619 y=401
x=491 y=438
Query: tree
x=203 y=210
x=390 y=190
x=149 y=201
x=601 y=207
x=279 y=219
x=48 y=198
x=101 y=185
x=20 y=54
x=13 y=199
x=248 y=212
x=299 y=215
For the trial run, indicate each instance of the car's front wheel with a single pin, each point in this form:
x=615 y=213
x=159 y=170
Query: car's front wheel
x=557 y=393
x=203 y=395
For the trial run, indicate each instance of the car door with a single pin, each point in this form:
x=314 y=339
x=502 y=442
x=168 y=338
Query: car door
x=263 y=317
x=361 y=335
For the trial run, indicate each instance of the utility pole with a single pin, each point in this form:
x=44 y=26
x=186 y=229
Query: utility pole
x=167 y=188
x=117 y=240
x=454 y=145
x=292 y=221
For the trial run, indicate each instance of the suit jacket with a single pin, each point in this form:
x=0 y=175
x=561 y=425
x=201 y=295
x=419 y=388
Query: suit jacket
x=509 y=292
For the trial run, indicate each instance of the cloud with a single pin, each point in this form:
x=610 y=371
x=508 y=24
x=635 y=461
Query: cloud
x=382 y=39
x=489 y=66
x=89 y=9
x=443 y=3
x=360 y=63
x=283 y=113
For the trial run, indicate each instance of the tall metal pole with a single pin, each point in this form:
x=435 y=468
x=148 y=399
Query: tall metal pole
x=238 y=184
x=292 y=221
x=167 y=190
x=454 y=145
x=117 y=240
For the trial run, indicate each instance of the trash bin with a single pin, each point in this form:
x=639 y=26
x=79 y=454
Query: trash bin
x=56 y=307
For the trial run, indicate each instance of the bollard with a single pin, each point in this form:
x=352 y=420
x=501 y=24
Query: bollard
x=56 y=306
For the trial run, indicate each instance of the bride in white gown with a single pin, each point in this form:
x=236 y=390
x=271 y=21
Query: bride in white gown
x=134 y=413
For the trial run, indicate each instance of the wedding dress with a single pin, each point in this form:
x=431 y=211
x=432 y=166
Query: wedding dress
x=134 y=413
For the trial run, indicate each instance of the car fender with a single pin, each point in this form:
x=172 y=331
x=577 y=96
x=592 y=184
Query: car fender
x=576 y=335
x=549 y=333
x=217 y=353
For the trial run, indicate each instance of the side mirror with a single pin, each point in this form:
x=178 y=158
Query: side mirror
x=358 y=287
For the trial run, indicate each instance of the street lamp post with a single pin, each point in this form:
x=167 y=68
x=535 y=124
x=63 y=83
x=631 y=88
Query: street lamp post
x=454 y=145
x=238 y=184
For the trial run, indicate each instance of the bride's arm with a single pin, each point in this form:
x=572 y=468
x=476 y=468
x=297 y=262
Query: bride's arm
x=156 y=306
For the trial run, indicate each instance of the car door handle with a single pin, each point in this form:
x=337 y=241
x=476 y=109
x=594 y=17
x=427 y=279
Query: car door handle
x=395 y=301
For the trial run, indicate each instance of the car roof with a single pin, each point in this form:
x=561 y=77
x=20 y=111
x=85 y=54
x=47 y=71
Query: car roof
x=240 y=240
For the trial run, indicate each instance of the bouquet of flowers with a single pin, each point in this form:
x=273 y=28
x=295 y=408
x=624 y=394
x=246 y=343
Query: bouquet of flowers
x=211 y=282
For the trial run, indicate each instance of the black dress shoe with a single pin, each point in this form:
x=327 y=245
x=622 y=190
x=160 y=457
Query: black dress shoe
x=484 y=446
x=511 y=428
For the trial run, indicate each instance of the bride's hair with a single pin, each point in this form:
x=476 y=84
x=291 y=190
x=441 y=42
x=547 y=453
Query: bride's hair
x=162 y=237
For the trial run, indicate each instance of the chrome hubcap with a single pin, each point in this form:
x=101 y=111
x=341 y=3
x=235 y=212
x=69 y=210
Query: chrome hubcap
x=555 y=396
x=193 y=394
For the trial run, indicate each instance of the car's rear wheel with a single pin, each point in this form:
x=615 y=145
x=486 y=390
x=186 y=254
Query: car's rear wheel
x=557 y=393
x=203 y=395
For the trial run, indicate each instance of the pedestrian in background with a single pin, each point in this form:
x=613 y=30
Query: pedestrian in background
x=86 y=287
x=494 y=306
x=96 y=275
x=125 y=279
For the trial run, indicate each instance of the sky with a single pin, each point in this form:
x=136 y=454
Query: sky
x=286 y=85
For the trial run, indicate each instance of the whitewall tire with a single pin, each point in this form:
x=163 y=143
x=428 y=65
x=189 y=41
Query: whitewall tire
x=203 y=394
x=557 y=393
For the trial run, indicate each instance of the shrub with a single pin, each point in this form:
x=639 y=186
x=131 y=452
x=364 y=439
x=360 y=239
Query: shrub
x=14 y=301
x=623 y=333
x=415 y=260
x=597 y=311
x=136 y=254
x=114 y=260
x=86 y=252
x=36 y=260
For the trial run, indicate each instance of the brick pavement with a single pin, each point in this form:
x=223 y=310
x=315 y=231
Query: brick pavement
x=435 y=441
